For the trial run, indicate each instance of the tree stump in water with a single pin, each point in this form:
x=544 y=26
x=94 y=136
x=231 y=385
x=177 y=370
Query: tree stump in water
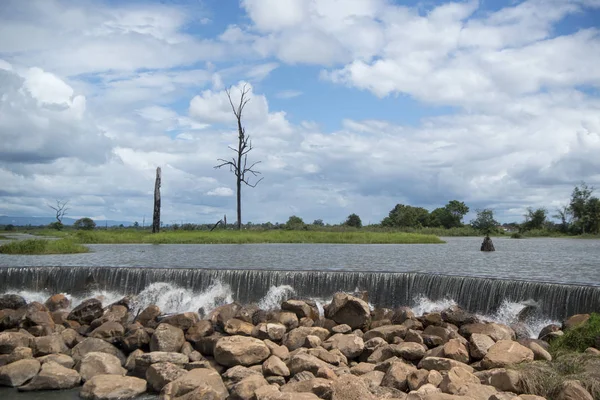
x=487 y=244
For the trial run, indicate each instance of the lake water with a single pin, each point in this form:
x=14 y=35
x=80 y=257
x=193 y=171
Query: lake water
x=546 y=259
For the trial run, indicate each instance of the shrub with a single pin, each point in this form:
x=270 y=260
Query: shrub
x=10 y=228
x=43 y=246
x=578 y=338
x=86 y=224
x=516 y=235
x=56 y=225
x=354 y=221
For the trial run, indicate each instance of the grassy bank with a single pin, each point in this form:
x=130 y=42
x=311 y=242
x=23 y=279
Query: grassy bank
x=42 y=246
x=2 y=237
x=245 y=237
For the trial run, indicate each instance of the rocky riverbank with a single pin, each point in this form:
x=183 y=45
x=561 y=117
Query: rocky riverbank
x=242 y=352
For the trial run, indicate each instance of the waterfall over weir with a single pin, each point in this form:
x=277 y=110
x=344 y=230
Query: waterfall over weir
x=386 y=289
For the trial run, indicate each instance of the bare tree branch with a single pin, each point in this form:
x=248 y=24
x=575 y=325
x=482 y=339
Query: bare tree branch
x=60 y=209
x=239 y=163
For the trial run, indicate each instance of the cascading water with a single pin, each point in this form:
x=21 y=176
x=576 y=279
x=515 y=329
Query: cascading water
x=191 y=288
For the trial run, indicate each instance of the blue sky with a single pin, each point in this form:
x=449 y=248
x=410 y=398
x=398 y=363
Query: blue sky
x=357 y=105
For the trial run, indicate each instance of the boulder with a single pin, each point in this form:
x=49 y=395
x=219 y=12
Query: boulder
x=443 y=333
x=397 y=376
x=220 y=315
x=17 y=373
x=199 y=330
x=136 y=339
x=409 y=350
x=506 y=352
x=86 y=312
x=289 y=319
x=317 y=386
x=61 y=359
x=277 y=350
x=457 y=378
x=457 y=316
x=52 y=344
x=12 y=301
x=245 y=389
x=96 y=363
x=235 y=375
x=506 y=380
x=148 y=316
x=112 y=387
x=492 y=329
x=53 y=376
x=71 y=337
x=167 y=338
x=539 y=353
x=295 y=338
x=479 y=344
x=572 y=390
x=347 y=387
x=455 y=350
x=145 y=360
x=96 y=345
x=275 y=366
x=196 y=384
x=160 y=374
x=240 y=350
x=183 y=321
x=110 y=331
x=351 y=346
x=235 y=326
x=387 y=333
x=302 y=308
x=306 y=362
x=57 y=302
x=9 y=341
x=575 y=320
x=442 y=364
x=19 y=353
x=349 y=310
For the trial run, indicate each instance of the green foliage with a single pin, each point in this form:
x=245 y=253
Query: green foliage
x=578 y=338
x=403 y=216
x=10 y=228
x=516 y=235
x=86 y=224
x=585 y=210
x=136 y=224
x=354 y=221
x=43 y=246
x=294 y=223
x=251 y=236
x=318 y=222
x=485 y=222
x=56 y=225
x=535 y=219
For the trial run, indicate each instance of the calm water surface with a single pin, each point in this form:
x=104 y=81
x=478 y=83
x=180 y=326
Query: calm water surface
x=548 y=260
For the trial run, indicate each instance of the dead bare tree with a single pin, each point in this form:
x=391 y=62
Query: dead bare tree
x=239 y=163
x=60 y=209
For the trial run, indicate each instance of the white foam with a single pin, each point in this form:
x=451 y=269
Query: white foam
x=275 y=296
x=422 y=305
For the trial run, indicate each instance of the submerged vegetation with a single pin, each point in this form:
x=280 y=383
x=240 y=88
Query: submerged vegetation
x=43 y=246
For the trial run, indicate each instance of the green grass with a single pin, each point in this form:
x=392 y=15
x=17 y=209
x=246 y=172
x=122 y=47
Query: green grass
x=125 y=236
x=545 y=378
x=2 y=237
x=43 y=246
x=578 y=338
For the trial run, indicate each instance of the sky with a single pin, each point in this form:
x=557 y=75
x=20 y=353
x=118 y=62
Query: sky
x=356 y=106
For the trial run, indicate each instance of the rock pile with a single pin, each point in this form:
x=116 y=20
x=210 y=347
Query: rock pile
x=241 y=352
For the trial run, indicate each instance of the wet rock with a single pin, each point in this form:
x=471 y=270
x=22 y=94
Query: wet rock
x=167 y=338
x=349 y=310
x=17 y=373
x=492 y=329
x=57 y=302
x=220 y=315
x=9 y=319
x=137 y=339
x=457 y=316
x=183 y=321
x=289 y=319
x=575 y=320
x=548 y=329
x=95 y=363
x=12 y=301
x=112 y=387
x=87 y=311
x=240 y=350
x=206 y=345
x=148 y=316
x=116 y=313
x=71 y=338
x=160 y=374
x=455 y=350
x=53 y=376
x=351 y=346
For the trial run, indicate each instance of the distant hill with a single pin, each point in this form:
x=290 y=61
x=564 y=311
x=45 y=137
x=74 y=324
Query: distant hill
x=37 y=221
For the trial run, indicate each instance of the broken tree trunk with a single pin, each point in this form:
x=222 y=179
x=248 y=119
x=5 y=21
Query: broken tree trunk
x=156 y=216
x=487 y=244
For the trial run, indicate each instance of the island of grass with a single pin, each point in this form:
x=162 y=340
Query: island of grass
x=43 y=246
x=133 y=236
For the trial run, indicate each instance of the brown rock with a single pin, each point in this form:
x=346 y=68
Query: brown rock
x=457 y=378
x=502 y=379
x=183 y=321
x=199 y=330
x=57 y=302
x=318 y=386
x=442 y=364
x=492 y=329
x=275 y=366
x=301 y=308
x=455 y=350
x=96 y=345
x=96 y=363
x=240 y=350
x=235 y=326
x=19 y=353
x=167 y=338
x=506 y=352
x=387 y=333
x=87 y=311
x=397 y=376
x=351 y=346
x=112 y=387
x=295 y=338
x=349 y=310
x=61 y=359
x=17 y=373
x=53 y=376
x=479 y=344
x=347 y=387
x=572 y=390
x=148 y=316
x=160 y=374
x=575 y=320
